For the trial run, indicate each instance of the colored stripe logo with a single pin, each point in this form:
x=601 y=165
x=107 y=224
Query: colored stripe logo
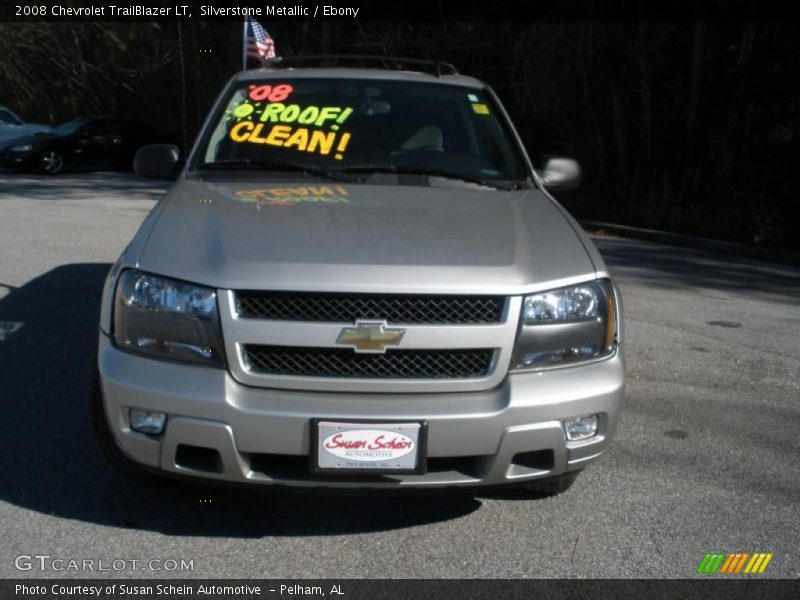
x=734 y=563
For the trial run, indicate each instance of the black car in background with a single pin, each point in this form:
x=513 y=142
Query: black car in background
x=85 y=142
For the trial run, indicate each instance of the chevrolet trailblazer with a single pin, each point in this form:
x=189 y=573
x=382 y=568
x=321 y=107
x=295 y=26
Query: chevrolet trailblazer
x=359 y=280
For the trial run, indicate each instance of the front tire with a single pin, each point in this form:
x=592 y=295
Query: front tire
x=51 y=162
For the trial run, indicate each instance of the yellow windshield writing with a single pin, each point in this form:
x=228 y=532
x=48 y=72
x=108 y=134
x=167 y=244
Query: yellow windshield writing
x=286 y=136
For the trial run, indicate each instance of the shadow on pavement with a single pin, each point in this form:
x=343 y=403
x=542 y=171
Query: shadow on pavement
x=79 y=185
x=675 y=267
x=51 y=463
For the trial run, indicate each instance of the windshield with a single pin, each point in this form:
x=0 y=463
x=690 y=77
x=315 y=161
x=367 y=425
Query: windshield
x=7 y=118
x=69 y=127
x=364 y=126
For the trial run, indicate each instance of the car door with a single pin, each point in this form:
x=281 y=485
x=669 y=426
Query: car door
x=107 y=141
x=78 y=149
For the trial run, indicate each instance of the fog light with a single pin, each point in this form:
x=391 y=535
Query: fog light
x=147 y=421
x=581 y=428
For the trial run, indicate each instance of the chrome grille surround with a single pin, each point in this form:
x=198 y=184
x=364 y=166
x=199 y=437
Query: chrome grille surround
x=239 y=333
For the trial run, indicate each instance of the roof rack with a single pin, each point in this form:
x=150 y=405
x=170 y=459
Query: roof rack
x=437 y=68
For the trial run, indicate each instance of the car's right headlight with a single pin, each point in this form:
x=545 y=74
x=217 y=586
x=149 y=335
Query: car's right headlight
x=566 y=326
x=166 y=318
x=22 y=148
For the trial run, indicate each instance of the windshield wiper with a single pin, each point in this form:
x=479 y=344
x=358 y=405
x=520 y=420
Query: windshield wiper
x=275 y=165
x=418 y=170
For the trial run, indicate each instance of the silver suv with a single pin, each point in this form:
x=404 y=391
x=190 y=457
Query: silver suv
x=358 y=280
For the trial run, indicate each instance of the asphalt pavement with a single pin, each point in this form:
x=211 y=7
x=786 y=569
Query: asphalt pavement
x=705 y=458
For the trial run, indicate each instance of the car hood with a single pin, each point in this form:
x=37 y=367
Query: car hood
x=320 y=236
x=26 y=137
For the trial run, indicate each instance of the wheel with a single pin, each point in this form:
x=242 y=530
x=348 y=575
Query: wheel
x=553 y=486
x=115 y=457
x=51 y=162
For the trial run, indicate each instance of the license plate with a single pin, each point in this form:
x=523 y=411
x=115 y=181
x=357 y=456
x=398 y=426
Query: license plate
x=377 y=448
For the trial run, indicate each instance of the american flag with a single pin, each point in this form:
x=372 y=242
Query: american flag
x=258 y=43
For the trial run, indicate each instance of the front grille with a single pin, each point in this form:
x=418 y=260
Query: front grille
x=343 y=362
x=347 y=308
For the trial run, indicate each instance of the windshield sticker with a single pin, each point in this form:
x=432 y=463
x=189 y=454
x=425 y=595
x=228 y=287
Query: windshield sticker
x=279 y=93
x=289 y=196
x=318 y=116
x=244 y=110
x=253 y=116
x=480 y=109
x=284 y=136
x=472 y=97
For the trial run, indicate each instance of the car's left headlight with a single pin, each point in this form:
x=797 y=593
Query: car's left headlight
x=167 y=318
x=566 y=326
x=22 y=148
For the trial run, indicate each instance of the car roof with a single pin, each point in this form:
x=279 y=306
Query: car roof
x=358 y=73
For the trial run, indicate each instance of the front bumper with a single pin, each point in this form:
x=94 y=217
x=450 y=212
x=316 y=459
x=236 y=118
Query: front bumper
x=511 y=433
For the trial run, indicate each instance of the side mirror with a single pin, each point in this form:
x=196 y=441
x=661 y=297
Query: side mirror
x=156 y=161
x=561 y=174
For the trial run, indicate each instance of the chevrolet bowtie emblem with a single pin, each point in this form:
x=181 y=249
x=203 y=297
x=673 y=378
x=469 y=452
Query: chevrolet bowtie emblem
x=370 y=336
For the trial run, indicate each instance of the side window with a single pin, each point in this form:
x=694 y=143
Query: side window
x=111 y=130
x=106 y=131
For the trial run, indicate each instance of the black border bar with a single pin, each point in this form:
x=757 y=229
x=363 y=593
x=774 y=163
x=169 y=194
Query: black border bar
x=403 y=589
x=407 y=10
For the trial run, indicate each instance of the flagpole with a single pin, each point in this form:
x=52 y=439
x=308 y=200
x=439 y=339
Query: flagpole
x=183 y=88
x=244 y=44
